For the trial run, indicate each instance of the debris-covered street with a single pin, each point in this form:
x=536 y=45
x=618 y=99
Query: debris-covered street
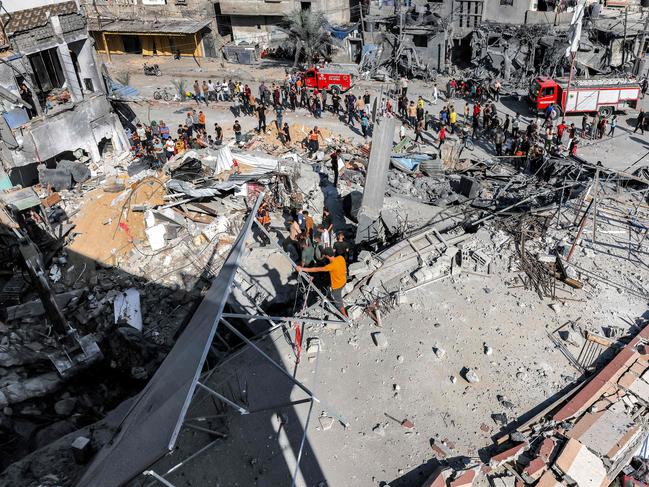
x=381 y=245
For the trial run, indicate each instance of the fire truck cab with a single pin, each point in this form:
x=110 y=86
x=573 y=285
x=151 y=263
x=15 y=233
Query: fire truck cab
x=603 y=95
x=336 y=78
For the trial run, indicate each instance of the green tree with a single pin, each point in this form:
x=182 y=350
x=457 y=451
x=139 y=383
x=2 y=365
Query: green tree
x=306 y=28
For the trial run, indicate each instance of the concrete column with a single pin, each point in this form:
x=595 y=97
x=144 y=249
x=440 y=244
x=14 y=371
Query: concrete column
x=88 y=66
x=67 y=65
x=120 y=141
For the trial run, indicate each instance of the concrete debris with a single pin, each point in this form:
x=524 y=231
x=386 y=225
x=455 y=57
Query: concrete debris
x=439 y=352
x=379 y=339
x=471 y=376
x=480 y=232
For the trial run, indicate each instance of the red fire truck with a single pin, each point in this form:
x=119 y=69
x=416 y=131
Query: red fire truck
x=336 y=78
x=603 y=95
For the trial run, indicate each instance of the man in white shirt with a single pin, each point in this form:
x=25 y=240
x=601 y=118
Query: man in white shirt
x=435 y=94
x=226 y=90
x=211 y=90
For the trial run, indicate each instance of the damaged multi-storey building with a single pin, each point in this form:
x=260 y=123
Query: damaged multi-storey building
x=52 y=91
x=505 y=38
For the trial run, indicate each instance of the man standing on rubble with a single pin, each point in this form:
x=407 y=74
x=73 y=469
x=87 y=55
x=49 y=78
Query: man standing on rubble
x=237 y=131
x=261 y=114
x=189 y=121
x=334 y=165
x=435 y=94
x=639 y=122
x=499 y=140
x=404 y=86
x=337 y=269
x=442 y=137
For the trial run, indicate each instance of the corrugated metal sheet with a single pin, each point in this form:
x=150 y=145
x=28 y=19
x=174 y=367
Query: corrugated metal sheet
x=170 y=26
x=23 y=20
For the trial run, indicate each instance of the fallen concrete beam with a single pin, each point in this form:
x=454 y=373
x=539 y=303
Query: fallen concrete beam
x=377 y=177
x=35 y=308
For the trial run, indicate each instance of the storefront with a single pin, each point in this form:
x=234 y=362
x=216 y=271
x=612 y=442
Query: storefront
x=162 y=38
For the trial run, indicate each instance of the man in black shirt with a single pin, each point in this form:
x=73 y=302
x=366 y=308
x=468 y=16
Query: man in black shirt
x=342 y=247
x=334 y=166
x=261 y=113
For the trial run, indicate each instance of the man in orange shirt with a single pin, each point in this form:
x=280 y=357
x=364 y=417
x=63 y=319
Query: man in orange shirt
x=337 y=269
x=201 y=120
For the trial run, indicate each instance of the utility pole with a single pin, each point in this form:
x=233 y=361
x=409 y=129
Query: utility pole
x=626 y=16
x=641 y=47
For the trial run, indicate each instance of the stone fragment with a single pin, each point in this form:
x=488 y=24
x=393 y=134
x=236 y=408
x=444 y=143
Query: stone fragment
x=81 y=449
x=471 y=376
x=379 y=339
x=326 y=422
x=64 y=407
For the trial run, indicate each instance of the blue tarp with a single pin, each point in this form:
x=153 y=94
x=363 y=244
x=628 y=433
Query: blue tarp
x=121 y=91
x=16 y=117
x=342 y=32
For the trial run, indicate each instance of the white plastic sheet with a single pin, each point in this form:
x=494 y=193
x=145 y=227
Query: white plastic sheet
x=127 y=308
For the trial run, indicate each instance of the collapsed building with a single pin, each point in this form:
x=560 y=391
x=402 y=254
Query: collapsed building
x=52 y=92
x=484 y=39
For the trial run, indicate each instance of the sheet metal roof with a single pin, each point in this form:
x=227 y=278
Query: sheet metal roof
x=151 y=426
x=167 y=26
x=30 y=18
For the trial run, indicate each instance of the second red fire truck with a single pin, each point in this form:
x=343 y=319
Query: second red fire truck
x=602 y=95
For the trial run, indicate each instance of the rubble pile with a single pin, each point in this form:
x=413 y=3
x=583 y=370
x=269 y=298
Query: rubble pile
x=126 y=258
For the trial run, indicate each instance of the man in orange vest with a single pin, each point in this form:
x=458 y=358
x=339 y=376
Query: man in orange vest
x=337 y=269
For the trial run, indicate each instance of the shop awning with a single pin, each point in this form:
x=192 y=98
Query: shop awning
x=158 y=27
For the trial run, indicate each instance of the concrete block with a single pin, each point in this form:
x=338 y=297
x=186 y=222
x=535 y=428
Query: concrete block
x=379 y=339
x=471 y=376
x=314 y=346
x=508 y=455
x=354 y=312
x=536 y=468
x=582 y=466
x=81 y=449
x=466 y=477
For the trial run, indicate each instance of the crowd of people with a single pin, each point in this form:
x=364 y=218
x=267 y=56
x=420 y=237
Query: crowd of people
x=482 y=121
x=316 y=249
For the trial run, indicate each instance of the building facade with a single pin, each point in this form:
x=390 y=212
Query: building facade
x=52 y=94
x=193 y=27
x=153 y=27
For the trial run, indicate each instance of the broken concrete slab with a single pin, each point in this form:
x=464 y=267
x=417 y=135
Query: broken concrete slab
x=35 y=308
x=508 y=455
x=581 y=465
x=549 y=480
x=465 y=478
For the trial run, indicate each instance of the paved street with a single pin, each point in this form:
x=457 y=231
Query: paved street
x=618 y=152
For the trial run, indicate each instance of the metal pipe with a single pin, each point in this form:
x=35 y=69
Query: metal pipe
x=282 y=370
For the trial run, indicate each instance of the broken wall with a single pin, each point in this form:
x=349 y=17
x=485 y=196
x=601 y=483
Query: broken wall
x=82 y=126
